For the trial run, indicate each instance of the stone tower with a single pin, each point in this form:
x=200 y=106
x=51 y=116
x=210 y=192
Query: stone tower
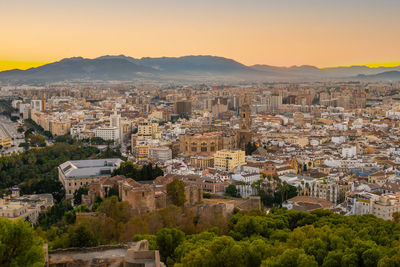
x=245 y=118
x=244 y=134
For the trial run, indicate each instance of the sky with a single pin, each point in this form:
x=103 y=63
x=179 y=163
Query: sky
x=323 y=33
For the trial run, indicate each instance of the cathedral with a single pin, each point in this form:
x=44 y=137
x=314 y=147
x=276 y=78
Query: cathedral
x=207 y=140
x=244 y=133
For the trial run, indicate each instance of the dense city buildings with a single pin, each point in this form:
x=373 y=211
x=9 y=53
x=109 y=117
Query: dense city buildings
x=200 y=133
x=302 y=146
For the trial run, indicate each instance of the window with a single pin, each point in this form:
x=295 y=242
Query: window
x=203 y=147
x=194 y=147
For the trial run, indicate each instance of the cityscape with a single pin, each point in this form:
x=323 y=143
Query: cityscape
x=175 y=152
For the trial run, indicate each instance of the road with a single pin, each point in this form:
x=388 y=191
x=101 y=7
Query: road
x=9 y=129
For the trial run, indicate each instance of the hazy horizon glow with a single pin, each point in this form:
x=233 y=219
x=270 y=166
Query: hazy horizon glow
x=274 y=32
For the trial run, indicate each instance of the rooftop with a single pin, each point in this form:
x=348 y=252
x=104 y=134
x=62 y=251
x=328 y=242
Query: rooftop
x=89 y=168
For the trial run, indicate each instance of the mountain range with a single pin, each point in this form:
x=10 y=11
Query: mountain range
x=188 y=68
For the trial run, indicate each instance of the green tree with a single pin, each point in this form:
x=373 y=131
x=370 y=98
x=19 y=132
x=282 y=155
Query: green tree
x=176 y=192
x=291 y=257
x=152 y=240
x=81 y=236
x=48 y=134
x=396 y=216
x=25 y=145
x=147 y=172
x=36 y=169
x=119 y=211
x=55 y=214
x=19 y=246
x=231 y=191
x=97 y=141
x=333 y=259
x=371 y=257
x=83 y=190
x=128 y=169
x=65 y=139
x=36 y=140
x=168 y=239
x=250 y=148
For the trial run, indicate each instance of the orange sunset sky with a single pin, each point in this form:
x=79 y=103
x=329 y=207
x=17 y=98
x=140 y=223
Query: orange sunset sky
x=282 y=32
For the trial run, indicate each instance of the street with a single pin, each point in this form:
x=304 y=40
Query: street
x=9 y=129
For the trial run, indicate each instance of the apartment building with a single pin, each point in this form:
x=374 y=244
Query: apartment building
x=228 y=160
x=147 y=128
x=385 y=206
x=59 y=127
x=107 y=133
x=141 y=151
x=5 y=142
x=160 y=153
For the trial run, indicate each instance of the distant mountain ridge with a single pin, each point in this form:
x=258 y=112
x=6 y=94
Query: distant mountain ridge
x=393 y=75
x=196 y=68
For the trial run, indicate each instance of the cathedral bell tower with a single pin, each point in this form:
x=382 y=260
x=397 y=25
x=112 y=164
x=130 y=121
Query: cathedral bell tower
x=245 y=118
x=244 y=134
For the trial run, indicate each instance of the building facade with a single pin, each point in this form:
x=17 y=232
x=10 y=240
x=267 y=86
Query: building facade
x=228 y=160
x=74 y=174
x=206 y=144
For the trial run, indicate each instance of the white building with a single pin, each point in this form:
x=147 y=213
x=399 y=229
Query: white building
x=22 y=107
x=338 y=139
x=115 y=121
x=107 y=133
x=247 y=178
x=37 y=105
x=246 y=190
x=349 y=151
x=160 y=153
x=362 y=203
x=76 y=130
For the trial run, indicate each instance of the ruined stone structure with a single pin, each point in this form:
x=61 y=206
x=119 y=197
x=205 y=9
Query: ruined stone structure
x=124 y=255
x=226 y=206
x=143 y=198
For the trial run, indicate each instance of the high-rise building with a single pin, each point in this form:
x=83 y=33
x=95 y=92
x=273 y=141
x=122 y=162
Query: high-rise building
x=38 y=105
x=276 y=101
x=115 y=121
x=183 y=108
